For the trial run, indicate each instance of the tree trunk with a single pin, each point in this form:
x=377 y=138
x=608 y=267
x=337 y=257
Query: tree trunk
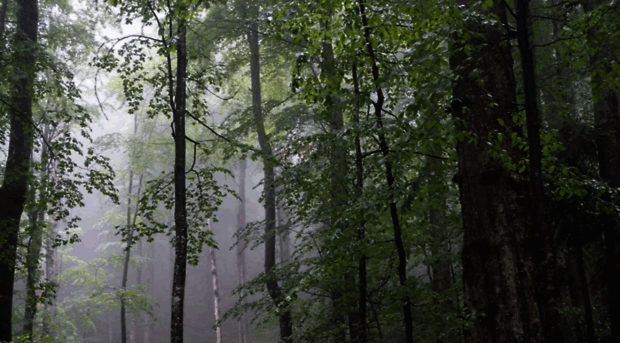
x=126 y=261
x=130 y=227
x=389 y=176
x=180 y=199
x=497 y=267
x=362 y=336
x=607 y=119
x=50 y=278
x=274 y=290
x=216 y=290
x=17 y=167
x=36 y=218
x=540 y=234
x=242 y=322
x=148 y=330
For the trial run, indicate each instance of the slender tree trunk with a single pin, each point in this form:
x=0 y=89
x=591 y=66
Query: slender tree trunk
x=36 y=219
x=216 y=290
x=274 y=290
x=17 y=166
x=389 y=176
x=607 y=119
x=498 y=267
x=129 y=244
x=180 y=197
x=241 y=242
x=50 y=276
x=585 y=293
x=540 y=235
x=148 y=331
x=126 y=261
x=134 y=320
x=362 y=336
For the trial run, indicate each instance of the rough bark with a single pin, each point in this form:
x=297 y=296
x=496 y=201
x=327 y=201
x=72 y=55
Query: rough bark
x=607 y=119
x=274 y=290
x=497 y=268
x=180 y=197
x=17 y=167
x=216 y=290
x=242 y=322
x=389 y=175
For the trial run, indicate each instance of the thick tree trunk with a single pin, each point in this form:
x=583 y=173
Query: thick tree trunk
x=607 y=118
x=180 y=199
x=274 y=290
x=242 y=322
x=389 y=176
x=498 y=268
x=216 y=290
x=17 y=167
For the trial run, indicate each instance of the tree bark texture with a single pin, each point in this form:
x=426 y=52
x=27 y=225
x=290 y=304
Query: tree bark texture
x=180 y=197
x=607 y=121
x=242 y=322
x=274 y=290
x=17 y=167
x=498 y=268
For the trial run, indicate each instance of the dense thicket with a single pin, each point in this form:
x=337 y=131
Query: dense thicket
x=425 y=171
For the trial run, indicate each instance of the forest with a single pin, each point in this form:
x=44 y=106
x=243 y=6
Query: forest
x=253 y=171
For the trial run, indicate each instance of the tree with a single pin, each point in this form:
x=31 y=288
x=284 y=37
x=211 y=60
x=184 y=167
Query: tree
x=17 y=169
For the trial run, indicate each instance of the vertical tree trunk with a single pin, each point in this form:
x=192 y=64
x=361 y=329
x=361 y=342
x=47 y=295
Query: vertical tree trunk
x=540 y=234
x=362 y=336
x=148 y=329
x=242 y=321
x=50 y=278
x=36 y=219
x=498 y=268
x=274 y=290
x=607 y=119
x=216 y=290
x=17 y=167
x=180 y=199
x=126 y=261
x=389 y=176
x=129 y=243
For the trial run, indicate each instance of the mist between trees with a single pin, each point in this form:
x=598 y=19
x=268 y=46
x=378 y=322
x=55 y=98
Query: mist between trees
x=309 y=171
